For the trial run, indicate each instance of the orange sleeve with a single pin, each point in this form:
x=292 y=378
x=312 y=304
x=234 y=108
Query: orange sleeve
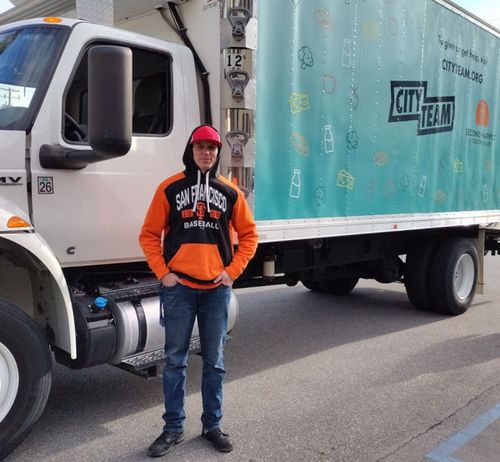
x=244 y=225
x=155 y=224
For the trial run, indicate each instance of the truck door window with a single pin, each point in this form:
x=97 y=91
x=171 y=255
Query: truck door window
x=152 y=101
x=28 y=57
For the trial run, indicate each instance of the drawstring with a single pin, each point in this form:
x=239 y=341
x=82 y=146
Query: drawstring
x=198 y=183
x=198 y=187
x=207 y=196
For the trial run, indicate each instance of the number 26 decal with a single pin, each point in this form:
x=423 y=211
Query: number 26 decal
x=45 y=185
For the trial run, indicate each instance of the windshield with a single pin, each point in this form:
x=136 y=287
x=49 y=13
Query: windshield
x=27 y=59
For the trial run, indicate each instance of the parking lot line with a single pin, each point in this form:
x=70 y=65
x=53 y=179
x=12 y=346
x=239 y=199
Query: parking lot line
x=443 y=453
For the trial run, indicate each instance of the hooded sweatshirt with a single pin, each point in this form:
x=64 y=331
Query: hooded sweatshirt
x=196 y=214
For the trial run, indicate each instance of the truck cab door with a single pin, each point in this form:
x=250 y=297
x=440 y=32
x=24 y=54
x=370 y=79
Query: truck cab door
x=93 y=215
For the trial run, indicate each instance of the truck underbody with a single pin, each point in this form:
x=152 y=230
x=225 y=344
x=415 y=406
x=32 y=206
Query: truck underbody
x=334 y=265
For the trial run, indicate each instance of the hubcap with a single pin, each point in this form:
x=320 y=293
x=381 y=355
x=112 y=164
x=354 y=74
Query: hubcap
x=464 y=276
x=9 y=381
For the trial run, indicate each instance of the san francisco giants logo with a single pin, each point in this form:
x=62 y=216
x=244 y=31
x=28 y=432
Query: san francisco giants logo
x=200 y=210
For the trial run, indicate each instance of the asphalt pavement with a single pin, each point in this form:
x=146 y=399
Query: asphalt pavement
x=310 y=377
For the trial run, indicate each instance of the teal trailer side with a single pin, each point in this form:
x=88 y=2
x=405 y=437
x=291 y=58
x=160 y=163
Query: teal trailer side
x=372 y=108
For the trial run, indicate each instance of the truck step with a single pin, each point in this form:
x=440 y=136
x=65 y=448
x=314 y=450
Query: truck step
x=151 y=363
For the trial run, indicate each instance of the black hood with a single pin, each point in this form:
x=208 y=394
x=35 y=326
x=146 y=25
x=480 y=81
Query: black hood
x=188 y=159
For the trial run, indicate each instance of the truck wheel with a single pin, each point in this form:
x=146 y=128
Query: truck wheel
x=453 y=276
x=338 y=286
x=25 y=375
x=311 y=285
x=417 y=270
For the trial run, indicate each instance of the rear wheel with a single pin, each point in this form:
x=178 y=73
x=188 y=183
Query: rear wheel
x=338 y=286
x=332 y=286
x=417 y=275
x=25 y=375
x=453 y=279
x=311 y=285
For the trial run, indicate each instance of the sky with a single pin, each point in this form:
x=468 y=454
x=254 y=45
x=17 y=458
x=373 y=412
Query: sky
x=489 y=10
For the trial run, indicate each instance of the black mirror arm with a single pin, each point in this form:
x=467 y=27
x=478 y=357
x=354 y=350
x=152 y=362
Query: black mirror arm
x=59 y=157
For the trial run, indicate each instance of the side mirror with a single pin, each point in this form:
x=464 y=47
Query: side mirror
x=110 y=100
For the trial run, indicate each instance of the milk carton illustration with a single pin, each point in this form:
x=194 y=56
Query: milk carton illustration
x=295 y=184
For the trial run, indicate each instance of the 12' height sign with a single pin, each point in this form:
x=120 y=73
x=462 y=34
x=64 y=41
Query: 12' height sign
x=409 y=101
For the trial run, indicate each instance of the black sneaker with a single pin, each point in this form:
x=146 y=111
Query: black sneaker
x=219 y=439
x=164 y=443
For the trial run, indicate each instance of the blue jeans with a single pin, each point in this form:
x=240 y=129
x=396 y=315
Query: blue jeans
x=180 y=305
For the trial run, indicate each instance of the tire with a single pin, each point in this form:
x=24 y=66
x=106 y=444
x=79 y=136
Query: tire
x=340 y=287
x=25 y=375
x=311 y=285
x=453 y=277
x=417 y=271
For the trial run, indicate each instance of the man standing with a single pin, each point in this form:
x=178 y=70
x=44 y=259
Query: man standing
x=187 y=240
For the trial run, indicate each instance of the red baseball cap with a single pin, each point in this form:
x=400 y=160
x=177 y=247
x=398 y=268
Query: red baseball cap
x=206 y=133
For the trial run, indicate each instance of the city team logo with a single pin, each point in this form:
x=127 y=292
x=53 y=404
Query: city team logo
x=409 y=101
x=483 y=114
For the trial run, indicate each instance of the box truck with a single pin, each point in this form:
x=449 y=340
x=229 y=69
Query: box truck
x=362 y=132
